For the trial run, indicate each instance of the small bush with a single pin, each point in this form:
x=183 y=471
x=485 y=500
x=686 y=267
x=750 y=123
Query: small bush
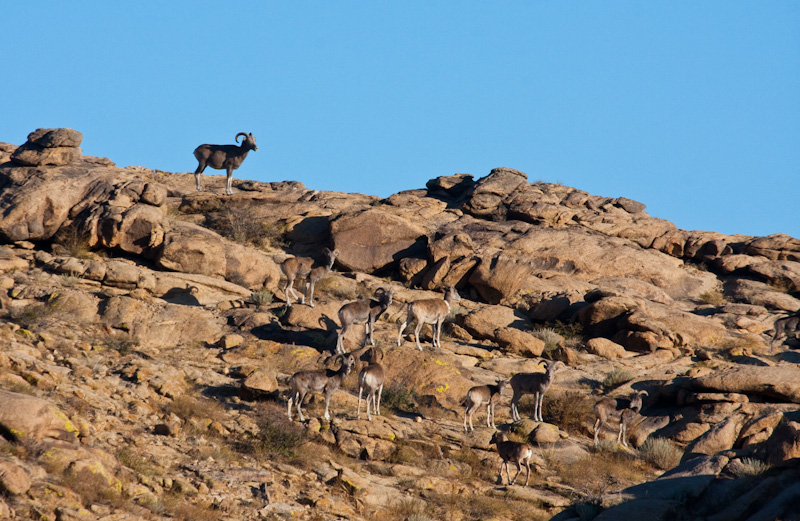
x=123 y=343
x=617 y=377
x=713 y=297
x=398 y=398
x=261 y=297
x=570 y=410
x=661 y=453
x=748 y=467
x=548 y=335
x=73 y=242
x=70 y=280
x=278 y=435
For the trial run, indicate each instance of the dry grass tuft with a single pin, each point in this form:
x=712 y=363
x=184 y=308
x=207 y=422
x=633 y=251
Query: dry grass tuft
x=713 y=297
x=661 y=453
x=617 y=377
x=570 y=410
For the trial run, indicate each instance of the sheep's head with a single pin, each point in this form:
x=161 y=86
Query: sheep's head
x=249 y=142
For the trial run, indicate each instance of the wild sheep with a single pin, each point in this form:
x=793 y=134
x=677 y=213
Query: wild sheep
x=627 y=410
x=477 y=396
x=512 y=451
x=304 y=268
x=223 y=157
x=429 y=311
x=785 y=327
x=532 y=383
x=371 y=378
x=325 y=381
x=364 y=311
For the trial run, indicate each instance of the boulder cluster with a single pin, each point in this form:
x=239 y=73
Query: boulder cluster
x=145 y=350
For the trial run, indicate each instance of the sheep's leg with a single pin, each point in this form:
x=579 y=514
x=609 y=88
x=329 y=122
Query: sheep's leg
x=519 y=469
x=528 y=474
x=371 y=330
x=299 y=402
x=370 y=394
x=289 y=283
x=290 y=407
x=400 y=334
x=229 y=182
x=310 y=292
x=597 y=425
x=200 y=168
x=327 y=403
x=508 y=474
x=438 y=337
x=538 y=409
x=378 y=407
x=416 y=333
x=514 y=414
x=358 y=415
x=466 y=416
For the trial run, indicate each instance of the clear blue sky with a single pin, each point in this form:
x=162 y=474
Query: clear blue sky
x=692 y=108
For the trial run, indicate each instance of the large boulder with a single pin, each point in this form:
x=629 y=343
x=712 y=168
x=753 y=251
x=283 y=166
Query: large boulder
x=782 y=382
x=25 y=417
x=371 y=240
x=47 y=146
x=189 y=248
x=485 y=321
x=784 y=444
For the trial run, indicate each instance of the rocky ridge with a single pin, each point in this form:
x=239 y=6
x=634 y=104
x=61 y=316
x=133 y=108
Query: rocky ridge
x=143 y=368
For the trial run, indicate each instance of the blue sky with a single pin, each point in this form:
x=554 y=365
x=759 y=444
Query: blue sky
x=692 y=108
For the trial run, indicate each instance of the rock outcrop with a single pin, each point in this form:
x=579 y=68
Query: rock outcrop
x=145 y=350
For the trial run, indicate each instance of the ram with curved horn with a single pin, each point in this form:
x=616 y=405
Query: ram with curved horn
x=223 y=157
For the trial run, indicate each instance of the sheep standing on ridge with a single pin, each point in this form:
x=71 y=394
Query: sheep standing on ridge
x=227 y=157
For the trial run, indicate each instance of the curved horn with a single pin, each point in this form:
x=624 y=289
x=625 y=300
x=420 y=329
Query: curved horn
x=240 y=134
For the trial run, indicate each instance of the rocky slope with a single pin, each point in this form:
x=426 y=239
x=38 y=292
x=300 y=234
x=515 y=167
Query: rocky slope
x=146 y=350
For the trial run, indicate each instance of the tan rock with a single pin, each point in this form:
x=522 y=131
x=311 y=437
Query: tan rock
x=718 y=438
x=483 y=322
x=605 y=348
x=519 y=342
x=13 y=477
x=261 y=380
x=374 y=239
x=29 y=418
x=192 y=249
x=784 y=444
x=782 y=382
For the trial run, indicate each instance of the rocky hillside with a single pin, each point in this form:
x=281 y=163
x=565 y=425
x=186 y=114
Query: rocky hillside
x=146 y=350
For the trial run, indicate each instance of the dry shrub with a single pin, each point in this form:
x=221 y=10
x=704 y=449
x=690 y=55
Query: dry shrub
x=481 y=506
x=261 y=297
x=278 y=436
x=748 y=467
x=187 y=407
x=398 y=398
x=74 y=243
x=549 y=336
x=661 y=453
x=181 y=509
x=570 y=410
x=599 y=473
x=617 y=377
x=713 y=297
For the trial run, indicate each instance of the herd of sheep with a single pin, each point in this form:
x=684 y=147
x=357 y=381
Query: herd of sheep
x=428 y=311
